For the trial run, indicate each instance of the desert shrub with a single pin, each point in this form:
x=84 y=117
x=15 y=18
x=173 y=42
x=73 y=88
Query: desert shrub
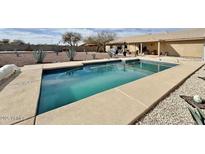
x=39 y=56
x=71 y=52
x=94 y=56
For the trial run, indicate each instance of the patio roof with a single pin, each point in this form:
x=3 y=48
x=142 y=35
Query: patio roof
x=190 y=34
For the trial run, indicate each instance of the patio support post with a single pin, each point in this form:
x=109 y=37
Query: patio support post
x=158 y=49
x=140 y=48
x=203 y=53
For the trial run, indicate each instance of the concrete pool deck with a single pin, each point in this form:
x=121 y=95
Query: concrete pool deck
x=120 y=105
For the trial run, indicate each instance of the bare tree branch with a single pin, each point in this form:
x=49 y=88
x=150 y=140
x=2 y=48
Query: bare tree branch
x=100 y=39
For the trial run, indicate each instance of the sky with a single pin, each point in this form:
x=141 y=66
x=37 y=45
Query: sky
x=54 y=35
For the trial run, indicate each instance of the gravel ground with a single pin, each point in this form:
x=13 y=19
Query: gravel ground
x=173 y=109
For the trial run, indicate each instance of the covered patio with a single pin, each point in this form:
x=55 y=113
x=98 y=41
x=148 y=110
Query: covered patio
x=186 y=43
x=139 y=48
x=149 y=48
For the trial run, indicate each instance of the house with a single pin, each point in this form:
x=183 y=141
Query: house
x=88 y=45
x=184 y=43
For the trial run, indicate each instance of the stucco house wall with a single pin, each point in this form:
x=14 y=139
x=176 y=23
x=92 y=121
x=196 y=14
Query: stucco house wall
x=183 y=48
x=131 y=47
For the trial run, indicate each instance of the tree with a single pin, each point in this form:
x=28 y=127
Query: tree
x=101 y=39
x=93 y=40
x=106 y=37
x=72 y=40
x=18 y=42
x=5 y=41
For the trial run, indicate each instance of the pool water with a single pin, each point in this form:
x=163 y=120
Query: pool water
x=64 y=86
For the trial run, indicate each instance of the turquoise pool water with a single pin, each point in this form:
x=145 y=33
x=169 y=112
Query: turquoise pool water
x=64 y=86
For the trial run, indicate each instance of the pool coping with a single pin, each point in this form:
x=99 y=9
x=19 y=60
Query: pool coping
x=75 y=113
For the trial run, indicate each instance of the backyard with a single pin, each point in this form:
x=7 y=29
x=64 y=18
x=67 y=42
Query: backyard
x=55 y=84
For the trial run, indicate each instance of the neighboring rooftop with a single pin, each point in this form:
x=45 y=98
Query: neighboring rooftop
x=188 y=34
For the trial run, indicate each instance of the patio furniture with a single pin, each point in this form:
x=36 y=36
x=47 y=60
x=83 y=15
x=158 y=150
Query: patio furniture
x=141 y=54
x=191 y=102
x=112 y=54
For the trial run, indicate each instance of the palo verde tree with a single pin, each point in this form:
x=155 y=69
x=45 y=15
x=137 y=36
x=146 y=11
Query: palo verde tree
x=71 y=39
x=101 y=39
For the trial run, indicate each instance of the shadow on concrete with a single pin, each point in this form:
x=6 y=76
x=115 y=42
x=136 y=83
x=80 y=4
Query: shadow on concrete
x=5 y=82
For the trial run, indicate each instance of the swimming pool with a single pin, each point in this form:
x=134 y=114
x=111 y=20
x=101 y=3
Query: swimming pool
x=64 y=86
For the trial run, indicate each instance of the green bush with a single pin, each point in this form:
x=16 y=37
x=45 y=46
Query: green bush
x=39 y=56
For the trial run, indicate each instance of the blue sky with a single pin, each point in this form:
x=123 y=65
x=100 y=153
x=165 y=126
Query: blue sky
x=54 y=35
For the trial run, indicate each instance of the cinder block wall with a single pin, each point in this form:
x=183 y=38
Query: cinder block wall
x=27 y=47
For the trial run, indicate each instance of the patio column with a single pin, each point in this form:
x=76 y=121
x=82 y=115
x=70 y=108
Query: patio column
x=158 y=48
x=203 y=53
x=141 y=48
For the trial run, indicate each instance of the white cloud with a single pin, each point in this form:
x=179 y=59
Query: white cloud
x=29 y=36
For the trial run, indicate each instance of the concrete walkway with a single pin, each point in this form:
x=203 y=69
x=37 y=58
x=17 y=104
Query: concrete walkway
x=18 y=100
